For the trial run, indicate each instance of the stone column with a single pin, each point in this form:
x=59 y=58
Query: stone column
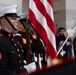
x=70 y=13
x=25 y=5
x=59 y=13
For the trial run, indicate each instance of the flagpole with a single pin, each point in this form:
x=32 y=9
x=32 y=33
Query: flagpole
x=61 y=46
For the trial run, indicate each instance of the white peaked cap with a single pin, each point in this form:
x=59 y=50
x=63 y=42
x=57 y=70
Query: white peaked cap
x=23 y=15
x=7 y=9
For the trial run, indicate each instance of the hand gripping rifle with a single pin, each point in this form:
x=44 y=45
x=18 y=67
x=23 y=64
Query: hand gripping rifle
x=61 y=46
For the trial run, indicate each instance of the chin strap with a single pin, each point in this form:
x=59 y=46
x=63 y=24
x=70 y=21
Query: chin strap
x=10 y=23
x=23 y=24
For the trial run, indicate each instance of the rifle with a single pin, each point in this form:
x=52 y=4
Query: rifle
x=29 y=52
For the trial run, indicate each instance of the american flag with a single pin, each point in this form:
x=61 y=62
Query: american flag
x=41 y=17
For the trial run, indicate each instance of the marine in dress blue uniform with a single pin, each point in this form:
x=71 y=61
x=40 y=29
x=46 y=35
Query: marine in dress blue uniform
x=11 y=51
x=36 y=45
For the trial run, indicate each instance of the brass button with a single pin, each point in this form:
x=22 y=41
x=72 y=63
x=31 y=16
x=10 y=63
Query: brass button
x=12 y=39
x=20 y=67
x=19 y=55
x=15 y=44
x=18 y=50
x=22 y=50
x=12 y=51
x=9 y=35
x=0 y=34
x=19 y=61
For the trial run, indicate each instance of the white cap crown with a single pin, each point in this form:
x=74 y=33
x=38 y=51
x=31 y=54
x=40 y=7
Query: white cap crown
x=7 y=9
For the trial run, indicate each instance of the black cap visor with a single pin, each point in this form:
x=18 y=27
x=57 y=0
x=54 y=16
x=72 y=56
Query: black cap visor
x=12 y=15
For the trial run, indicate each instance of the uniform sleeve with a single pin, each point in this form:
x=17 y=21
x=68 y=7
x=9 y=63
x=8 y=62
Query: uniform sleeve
x=4 y=70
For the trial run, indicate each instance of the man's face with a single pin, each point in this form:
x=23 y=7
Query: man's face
x=13 y=21
x=63 y=32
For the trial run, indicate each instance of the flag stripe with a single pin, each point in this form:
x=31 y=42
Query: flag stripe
x=50 y=2
x=39 y=27
x=45 y=14
x=44 y=24
x=48 y=7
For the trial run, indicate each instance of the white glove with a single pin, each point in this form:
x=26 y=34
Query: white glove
x=30 y=67
x=70 y=32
